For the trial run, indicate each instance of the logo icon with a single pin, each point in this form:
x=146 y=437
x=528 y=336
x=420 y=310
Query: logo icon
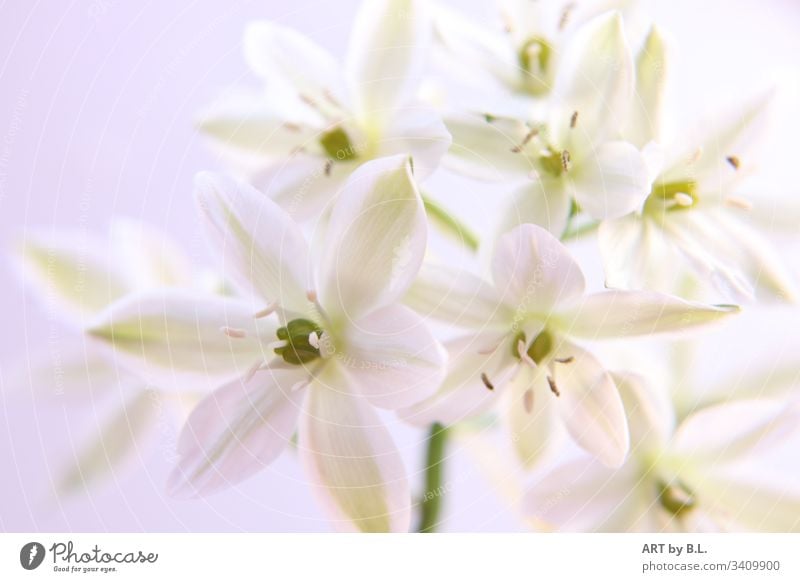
x=31 y=555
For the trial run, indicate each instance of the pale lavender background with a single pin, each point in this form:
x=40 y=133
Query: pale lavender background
x=96 y=102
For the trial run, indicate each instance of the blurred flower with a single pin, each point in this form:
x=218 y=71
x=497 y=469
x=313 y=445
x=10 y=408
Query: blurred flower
x=77 y=275
x=571 y=158
x=724 y=468
x=317 y=121
x=338 y=350
x=693 y=227
x=523 y=330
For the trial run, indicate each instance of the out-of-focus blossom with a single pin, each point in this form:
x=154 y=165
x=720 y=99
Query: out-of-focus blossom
x=570 y=157
x=316 y=121
x=724 y=468
x=523 y=327
x=341 y=347
x=76 y=275
x=693 y=228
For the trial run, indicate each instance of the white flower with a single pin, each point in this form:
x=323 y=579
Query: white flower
x=570 y=157
x=76 y=275
x=726 y=467
x=342 y=345
x=692 y=228
x=523 y=327
x=316 y=120
x=503 y=70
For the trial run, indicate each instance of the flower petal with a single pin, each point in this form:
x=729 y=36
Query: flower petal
x=595 y=78
x=590 y=406
x=543 y=202
x=533 y=271
x=631 y=313
x=236 y=431
x=456 y=297
x=385 y=60
x=420 y=133
x=280 y=54
x=262 y=248
x=149 y=257
x=651 y=418
x=376 y=239
x=355 y=468
x=483 y=148
x=393 y=358
x=73 y=273
x=614 y=180
x=532 y=415
x=644 y=121
x=175 y=339
x=464 y=393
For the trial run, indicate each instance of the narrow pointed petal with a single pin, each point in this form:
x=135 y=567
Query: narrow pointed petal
x=354 y=467
x=149 y=257
x=393 y=358
x=73 y=274
x=262 y=248
x=613 y=180
x=631 y=313
x=282 y=55
x=590 y=406
x=108 y=450
x=386 y=58
x=236 y=431
x=484 y=148
x=533 y=271
x=376 y=239
x=644 y=122
x=478 y=370
x=175 y=339
x=650 y=414
x=532 y=415
x=739 y=430
x=420 y=133
x=542 y=202
x=596 y=78
x=456 y=297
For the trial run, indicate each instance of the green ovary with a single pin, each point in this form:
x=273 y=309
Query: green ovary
x=298 y=349
x=337 y=145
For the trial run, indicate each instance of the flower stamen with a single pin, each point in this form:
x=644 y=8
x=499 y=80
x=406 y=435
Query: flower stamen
x=553 y=387
x=486 y=382
x=233 y=332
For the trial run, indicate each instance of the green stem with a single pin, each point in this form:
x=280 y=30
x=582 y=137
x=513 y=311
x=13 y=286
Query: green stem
x=574 y=233
x=450 y=225
x=434 y=469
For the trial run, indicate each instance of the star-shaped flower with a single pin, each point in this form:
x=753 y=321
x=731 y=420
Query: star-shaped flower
x=341 y=345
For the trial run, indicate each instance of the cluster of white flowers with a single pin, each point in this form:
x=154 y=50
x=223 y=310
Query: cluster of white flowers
x=325 y=307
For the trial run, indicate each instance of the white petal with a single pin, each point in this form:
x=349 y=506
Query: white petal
x=175 y=339
x=651 y=418
x=612 y=181
x=386 y=57
x=464 y=394
x=115 y=442
x=532 y=415
x=376 y=239
x=543 y=202
x=354 y=467
x=533 y=271
x=149 y=257
x=73 y=274
x=630 y=313
x=236 y=431
x=262 y=248
x=590 y=406
x=282 y=55
x=595 y=78
x=419 y=132
x=735 y=132
x=738 y=430
x=644 y=122
x=456 y=297
x=260 y=125
x=585 y=495
x=393 y=358
x=483 y=148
